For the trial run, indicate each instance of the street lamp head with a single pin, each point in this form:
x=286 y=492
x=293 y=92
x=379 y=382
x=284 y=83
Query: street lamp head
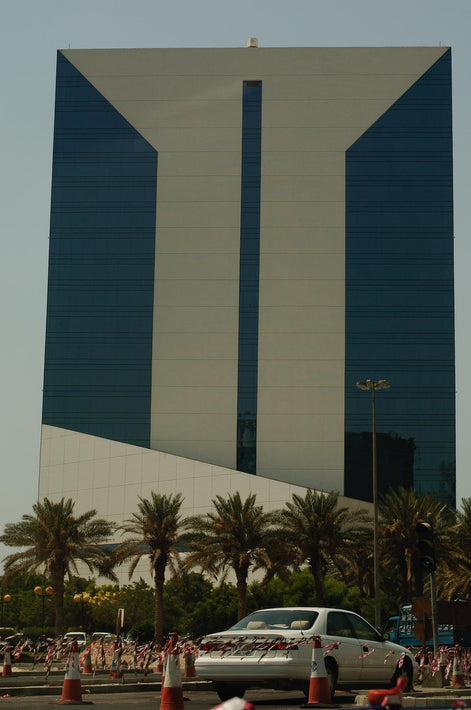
x=370 y=385
x=81 y=597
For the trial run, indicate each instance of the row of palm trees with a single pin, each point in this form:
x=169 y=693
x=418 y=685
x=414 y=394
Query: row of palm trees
x=239 y=537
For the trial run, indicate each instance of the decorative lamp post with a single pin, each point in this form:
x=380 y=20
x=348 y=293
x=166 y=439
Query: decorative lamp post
x=6 y=599
x=374 y=386
x=82 y=598
x=48 y=592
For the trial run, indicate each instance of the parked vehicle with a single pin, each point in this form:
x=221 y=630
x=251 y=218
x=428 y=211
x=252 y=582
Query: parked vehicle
x=400 y=629
x=6 y=632
x=273 y=648
x=454 y=625
x=79 y=636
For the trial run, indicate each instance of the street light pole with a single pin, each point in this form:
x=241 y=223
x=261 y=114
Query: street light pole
x=374 y=386
x=48 y=592
x=82 y=598
x=4 y=600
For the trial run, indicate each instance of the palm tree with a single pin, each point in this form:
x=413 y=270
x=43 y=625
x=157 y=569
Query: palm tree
x=355 y=568
x=317 y=531
x=237 y=536
x=154 y=532
x=399 y=512
x=56 y=540
x=454 y=580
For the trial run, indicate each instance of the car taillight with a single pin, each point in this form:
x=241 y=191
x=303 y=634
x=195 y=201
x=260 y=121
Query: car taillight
x=282 y=646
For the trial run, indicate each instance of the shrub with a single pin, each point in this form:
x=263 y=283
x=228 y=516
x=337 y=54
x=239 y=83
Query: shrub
x=142 y=630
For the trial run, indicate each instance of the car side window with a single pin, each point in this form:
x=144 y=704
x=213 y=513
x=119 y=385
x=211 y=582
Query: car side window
x=362 y=629
x=338 y=625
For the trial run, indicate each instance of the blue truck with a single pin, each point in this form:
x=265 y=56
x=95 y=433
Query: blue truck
x=400 y=629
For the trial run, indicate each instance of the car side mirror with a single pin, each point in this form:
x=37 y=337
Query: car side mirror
x=386 y=636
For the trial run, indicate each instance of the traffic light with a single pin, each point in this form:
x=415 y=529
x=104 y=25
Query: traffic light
x=426 y=548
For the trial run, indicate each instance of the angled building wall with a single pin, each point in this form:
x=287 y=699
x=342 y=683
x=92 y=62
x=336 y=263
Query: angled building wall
x=237 y=237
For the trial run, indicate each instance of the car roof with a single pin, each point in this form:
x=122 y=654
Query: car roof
x=304 y=608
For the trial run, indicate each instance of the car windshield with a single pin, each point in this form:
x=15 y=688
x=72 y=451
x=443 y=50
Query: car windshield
x=299 y=620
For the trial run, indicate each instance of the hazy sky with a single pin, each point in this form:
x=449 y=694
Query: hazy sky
x=32 y=31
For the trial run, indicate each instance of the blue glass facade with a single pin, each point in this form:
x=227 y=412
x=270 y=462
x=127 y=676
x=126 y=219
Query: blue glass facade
x=97 y=377
x=400 y=293
x=249 y=277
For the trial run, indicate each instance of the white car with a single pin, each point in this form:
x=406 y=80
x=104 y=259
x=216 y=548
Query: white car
x=79 y=636
x=272 y=648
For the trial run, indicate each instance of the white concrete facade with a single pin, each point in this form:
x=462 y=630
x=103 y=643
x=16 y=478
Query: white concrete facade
x=109 y=476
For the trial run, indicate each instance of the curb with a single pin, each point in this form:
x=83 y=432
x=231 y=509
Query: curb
x=99 y=686
x=423 y=699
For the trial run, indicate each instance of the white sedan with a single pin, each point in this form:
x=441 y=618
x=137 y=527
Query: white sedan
x=272 y=648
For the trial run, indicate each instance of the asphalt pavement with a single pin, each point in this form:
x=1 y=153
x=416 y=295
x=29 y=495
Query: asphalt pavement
x=30 y=688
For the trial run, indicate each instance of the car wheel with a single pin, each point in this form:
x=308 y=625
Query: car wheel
x=226 y=691
x=405 y=670
x=332 y=673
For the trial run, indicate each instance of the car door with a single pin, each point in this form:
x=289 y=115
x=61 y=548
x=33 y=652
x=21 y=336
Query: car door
x=348 y=655
x=378 y=666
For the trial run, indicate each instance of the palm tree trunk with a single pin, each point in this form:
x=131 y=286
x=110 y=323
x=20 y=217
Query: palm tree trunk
x=58 y=584
x=159 y=576
x=407 y=590
x=318 y=583
x=241 y=575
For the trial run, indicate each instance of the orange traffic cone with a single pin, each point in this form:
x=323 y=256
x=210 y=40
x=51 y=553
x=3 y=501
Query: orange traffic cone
x=189 y=658
x=6 y=663
x=172 y=691
x=319 y=690
x=457 y=678
x=72 y=688
x=390 y=697
x=87 y=667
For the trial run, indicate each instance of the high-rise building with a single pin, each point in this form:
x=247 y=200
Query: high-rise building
x=237 y=237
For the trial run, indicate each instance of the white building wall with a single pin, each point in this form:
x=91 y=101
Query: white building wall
x=109 y=476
